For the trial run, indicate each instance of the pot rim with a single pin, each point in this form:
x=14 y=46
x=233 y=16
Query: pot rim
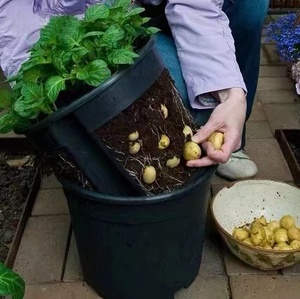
x=205 y=175
x=85 y=98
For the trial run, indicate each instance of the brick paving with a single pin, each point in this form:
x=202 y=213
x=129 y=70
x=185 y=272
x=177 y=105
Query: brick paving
x=48 y=259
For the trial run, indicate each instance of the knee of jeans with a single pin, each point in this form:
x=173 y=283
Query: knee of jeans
x=252 y=13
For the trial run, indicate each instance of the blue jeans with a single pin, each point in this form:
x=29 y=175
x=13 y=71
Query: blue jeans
x=246 y=21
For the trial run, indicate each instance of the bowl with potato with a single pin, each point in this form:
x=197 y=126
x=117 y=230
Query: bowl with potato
x=259 y=221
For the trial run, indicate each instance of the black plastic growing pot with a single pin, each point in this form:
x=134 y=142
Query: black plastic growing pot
x=140 y=247
x=72 y=128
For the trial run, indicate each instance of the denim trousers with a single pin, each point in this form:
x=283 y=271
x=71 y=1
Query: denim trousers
x=246 y=19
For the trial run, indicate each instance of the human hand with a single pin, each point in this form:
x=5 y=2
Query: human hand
x=229 y=118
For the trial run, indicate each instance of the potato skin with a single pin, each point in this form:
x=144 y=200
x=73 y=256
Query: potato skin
x=191 y=151
x=217 y=140
x=149 y=174
x=287 y=221
x=241 y=233
x=258 y=235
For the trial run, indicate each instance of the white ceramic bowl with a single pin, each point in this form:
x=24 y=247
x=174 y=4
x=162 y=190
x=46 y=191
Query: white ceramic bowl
x=241 y=202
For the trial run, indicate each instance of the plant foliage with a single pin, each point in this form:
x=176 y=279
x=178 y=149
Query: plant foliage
x=71 y=53
x=11 y=283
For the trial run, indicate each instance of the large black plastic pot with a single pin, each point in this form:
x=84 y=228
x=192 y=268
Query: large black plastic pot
x=140 y=247
x=72 y=128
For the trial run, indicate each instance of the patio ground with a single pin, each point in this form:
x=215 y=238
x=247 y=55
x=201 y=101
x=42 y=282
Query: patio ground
x=47 y=257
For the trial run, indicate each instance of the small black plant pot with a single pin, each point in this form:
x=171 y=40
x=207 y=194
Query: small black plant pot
x=72 y=128
x=140 y=247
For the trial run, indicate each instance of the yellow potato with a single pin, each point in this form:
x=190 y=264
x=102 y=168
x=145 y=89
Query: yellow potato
x=149 y=174
x=164 y=111
x=173 y=162
x=164 y=142
x=261 y=220
x=240 y=233
x=294 y=233
x=281 y=235
x=258 y=235
x=134 y=147
x=133 y=136
x=295 y=244
x=187 y=132
x=191 y=151
x=217 y=140
x=287 y=221
x=273 y=225
x=270 y=239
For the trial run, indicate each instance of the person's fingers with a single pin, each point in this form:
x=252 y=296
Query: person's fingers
x=219 y=156
x=203 y=162
x=204 y=132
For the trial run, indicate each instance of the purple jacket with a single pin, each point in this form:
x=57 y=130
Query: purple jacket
x=201 y=31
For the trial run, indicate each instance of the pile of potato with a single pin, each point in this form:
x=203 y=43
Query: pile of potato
x=276 y=235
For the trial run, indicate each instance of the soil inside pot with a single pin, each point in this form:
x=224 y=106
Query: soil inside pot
x=15 y=183
x=145 y=117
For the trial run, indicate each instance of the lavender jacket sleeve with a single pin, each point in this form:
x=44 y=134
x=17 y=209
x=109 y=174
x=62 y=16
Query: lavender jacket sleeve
x=205 y=46
x=20 y=24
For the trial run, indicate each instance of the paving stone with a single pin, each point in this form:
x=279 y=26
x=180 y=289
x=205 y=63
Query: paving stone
x=270 y=161
x=283 y=116
x=257 y=113
x=265 y=287
x=206 y=287
x=217 y=187
x=50 y=202
x=75 y=290
x=41 y=253
x=263 y=57
x=234 y=266
x=50 y=182
x=265 y=83
x=271 y=54
x=277 y=96
x=258 y=129
x=73 y=268
x=272 y=71
x=294 y=270
x=211 y=257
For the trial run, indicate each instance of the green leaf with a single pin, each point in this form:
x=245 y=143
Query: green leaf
x=59 y=65
x=135 y=11
x=31 y=91
x=53 y=86
x=116 y=13
x=94 y=73
x=79 y=53
x=28 y=110
x=112 y=35
x=123 y=3
x=122 y=56
x=11 y=283
x=145 y=20
x=57 y=24
x=90 y=45
x=93 y=33
x=33 y=74
x=69 y=39
x=96 y=12
x=5 y=98
x=152 y=30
